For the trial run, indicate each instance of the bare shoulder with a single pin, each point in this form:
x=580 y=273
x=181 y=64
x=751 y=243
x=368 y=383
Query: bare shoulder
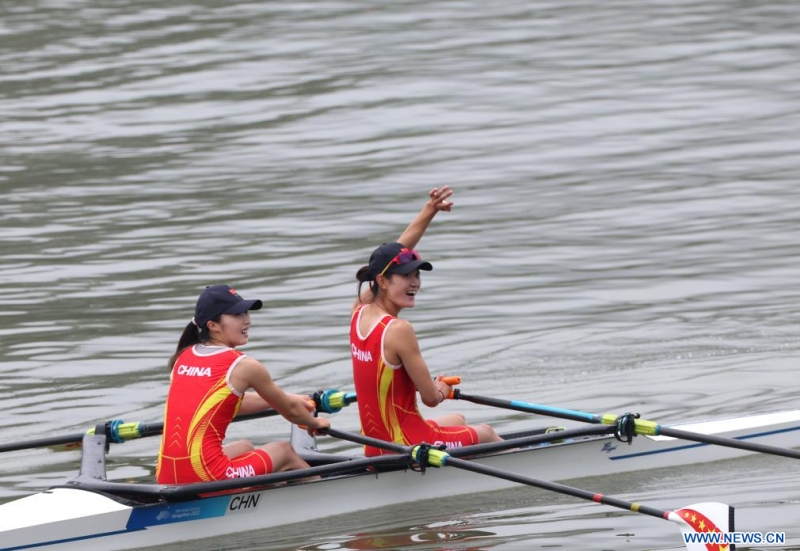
x=402 y=329
x=250 y=370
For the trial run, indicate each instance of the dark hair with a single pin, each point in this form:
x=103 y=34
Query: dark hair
x=363 y=276
x=192 y=334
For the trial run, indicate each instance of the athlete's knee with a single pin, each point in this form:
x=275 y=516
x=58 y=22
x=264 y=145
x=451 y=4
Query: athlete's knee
x=237 y=448
x=284 y=457
x=486 y=433
x=451 y=420
x=285 y=447
x=279 y=449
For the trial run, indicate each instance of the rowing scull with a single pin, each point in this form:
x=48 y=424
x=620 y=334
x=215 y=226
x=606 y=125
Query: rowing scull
x=90 y=513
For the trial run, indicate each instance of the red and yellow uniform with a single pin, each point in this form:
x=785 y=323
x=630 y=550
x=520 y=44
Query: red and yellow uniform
x=200 y=406
x=387 y=397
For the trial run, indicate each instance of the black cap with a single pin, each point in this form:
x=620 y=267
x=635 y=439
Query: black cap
x=221 y=299
x=386 y=253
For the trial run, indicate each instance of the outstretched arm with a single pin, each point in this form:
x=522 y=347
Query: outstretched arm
x=293 y=407
x=437 y=200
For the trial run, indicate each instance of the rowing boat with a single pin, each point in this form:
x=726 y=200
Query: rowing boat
x=92 y=513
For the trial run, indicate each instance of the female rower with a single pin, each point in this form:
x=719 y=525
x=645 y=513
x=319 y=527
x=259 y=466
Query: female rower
x=209 y=384
x=388 y=368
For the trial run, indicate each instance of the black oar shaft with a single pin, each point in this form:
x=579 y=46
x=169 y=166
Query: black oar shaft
x=43 y=442
x=642 y=427
x=124 y=431
x=144 y=430
x=366 y=440
x=489 y=447
x=729 y=442
x=506 y=475
x=555 y=487
x=191 y=491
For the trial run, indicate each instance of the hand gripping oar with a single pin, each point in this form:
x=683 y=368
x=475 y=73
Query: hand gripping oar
x=329 y=401
x=692 y=520
x=639 y=426
x=332 y=401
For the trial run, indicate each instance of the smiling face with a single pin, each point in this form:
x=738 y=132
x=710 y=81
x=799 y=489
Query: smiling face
x=232 y=330
x=399 y=291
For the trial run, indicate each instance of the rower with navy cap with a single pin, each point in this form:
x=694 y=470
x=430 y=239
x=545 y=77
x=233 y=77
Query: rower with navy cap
x=388 y=367
x=209 y=386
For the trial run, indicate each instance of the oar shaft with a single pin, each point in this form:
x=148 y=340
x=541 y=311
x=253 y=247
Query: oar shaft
x=128 y=431
x=43 y=442
x=191 y=491
x=366 y=440
x=438 y=457
x=531 y=440
x=489 y=447
x=729 y=442
x=555 y=487
x=525 y=407
x=642 y=426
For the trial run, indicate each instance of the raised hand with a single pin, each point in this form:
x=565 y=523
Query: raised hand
x=438 y=198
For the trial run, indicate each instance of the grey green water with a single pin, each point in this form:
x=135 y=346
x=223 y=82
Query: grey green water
x=624 y=235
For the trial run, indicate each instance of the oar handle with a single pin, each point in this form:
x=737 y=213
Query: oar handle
x=450 y=380
x=332 y=400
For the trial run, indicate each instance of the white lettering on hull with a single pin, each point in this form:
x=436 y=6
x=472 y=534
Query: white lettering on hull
x=240 y=503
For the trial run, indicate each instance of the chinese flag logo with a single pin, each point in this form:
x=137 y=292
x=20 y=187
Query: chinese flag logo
x=701 y=524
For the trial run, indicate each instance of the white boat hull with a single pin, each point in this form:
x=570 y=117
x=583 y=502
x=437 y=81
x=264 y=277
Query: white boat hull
x=77 y=519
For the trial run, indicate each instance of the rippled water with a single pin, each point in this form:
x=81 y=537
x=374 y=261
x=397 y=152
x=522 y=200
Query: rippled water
x=623 y=236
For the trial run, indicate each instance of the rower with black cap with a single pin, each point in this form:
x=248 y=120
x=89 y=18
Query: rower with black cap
x=388 y=367
x=209 y=386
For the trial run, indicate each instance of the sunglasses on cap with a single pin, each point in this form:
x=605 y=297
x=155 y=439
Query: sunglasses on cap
x=403 y=257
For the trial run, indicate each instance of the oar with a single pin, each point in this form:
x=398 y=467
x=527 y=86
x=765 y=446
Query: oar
x=119 y=431
x=693 y=519
x=640 y=426
x=331 y=401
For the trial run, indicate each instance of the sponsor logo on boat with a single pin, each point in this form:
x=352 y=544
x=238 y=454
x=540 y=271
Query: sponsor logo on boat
x=240 y=472
x=361 y=355
x=179 y=514
x=193 y=371
x=239 y=503
x=608 y=447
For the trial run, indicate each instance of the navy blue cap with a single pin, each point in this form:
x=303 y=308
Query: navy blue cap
x=216 y=300
x=381 y=257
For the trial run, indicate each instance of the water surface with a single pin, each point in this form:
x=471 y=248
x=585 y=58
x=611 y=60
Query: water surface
x=623 y=236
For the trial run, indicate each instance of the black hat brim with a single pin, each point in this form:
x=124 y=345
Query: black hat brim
x=243 y=306
x=408 y=267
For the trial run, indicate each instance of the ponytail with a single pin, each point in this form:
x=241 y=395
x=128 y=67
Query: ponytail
x=363 y=275
x=192 y=334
